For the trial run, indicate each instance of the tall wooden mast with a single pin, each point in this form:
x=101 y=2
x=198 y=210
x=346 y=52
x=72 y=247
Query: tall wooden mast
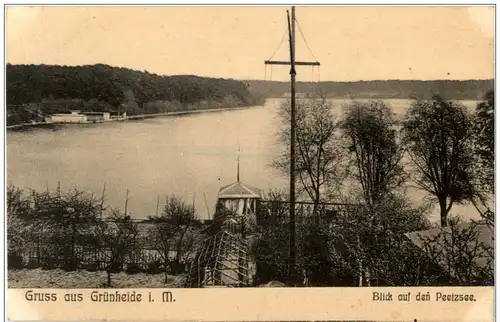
x=293 y=73
x=292 y=63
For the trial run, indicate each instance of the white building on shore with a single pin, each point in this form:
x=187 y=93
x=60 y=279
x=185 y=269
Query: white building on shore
x=80 y=117
x=97 y=116
x=73 y=117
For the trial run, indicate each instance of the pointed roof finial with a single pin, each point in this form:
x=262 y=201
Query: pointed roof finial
x=238 y=169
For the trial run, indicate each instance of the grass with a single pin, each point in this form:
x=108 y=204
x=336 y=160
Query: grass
x=57 y=278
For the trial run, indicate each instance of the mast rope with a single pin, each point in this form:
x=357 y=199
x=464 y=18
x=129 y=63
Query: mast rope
x=281 y=43
x=305 y=41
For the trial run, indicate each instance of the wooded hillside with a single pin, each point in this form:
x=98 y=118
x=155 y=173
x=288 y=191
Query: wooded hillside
x=403 y=89
x=48 y=89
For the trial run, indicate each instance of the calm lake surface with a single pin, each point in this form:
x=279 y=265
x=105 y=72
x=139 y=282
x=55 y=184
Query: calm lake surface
x=191 y=156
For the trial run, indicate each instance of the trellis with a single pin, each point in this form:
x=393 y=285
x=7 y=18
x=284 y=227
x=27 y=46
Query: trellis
x=223 y=261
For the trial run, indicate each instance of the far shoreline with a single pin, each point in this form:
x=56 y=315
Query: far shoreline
x=26 y=126
x=42 y=125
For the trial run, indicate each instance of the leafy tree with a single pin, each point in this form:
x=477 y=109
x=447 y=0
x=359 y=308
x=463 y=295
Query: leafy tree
x=375 y=154
x=129 y=104
x=271 y=247
x=369 y=245
x=437 y=135
x=319 y=160
x=315 y=260
x=370 y=132
x=271 y=254
x=337 y=250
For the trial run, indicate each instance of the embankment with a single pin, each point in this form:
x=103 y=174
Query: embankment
x=24 y=126
x=147 y=116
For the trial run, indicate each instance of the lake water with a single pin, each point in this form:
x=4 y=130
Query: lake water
x=191 y=156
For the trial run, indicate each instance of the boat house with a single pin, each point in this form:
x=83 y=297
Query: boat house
x=73 y=117
x=97 y=116
x=80 y=117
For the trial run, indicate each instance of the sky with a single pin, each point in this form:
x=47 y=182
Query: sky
x=351 y=43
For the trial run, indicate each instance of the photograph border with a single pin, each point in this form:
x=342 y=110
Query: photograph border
x=48 y=311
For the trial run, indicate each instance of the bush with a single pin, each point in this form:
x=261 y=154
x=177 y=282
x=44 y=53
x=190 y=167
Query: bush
x=70 y=266
x=134 y=268
x=92 y=267
x=48 y=264
x=177 y=268
x=154 y=268
x=116 y=267
x=14 y=261
x=33 y=264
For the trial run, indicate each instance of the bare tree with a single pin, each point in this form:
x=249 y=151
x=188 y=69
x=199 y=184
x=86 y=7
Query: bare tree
x=17 y=209
x=179 y=216
x=485 y=137
x=115 y=238
x=191 y=242
x=464 y=250
x=162 y=239
x=485 y=153
x=437 y=135
x=59 y=222
x=318 y=164
x=17 y=204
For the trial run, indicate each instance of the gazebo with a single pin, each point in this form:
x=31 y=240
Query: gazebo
x=240 y=198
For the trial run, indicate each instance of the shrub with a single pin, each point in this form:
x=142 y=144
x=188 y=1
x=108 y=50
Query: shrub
x=177 y=268
x=14 y=261
x=92 y=267
x=70 y=266
x=116 y=267
x=48 y=263
x=33 y=264
x=134 y=268
x=154 y=268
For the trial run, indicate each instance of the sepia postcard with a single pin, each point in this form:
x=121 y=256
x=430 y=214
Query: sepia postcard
x=250 y=163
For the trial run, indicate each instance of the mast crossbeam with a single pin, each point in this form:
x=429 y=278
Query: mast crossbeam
x=297 y=63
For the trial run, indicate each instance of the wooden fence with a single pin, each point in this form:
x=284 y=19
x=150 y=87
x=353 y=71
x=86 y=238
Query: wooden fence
x=278 y=213
x=42 y=247
x=82 y=250
x=43 y=254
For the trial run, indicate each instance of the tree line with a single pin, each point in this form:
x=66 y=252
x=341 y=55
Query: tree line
x=379 y=89
x=46 y=89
